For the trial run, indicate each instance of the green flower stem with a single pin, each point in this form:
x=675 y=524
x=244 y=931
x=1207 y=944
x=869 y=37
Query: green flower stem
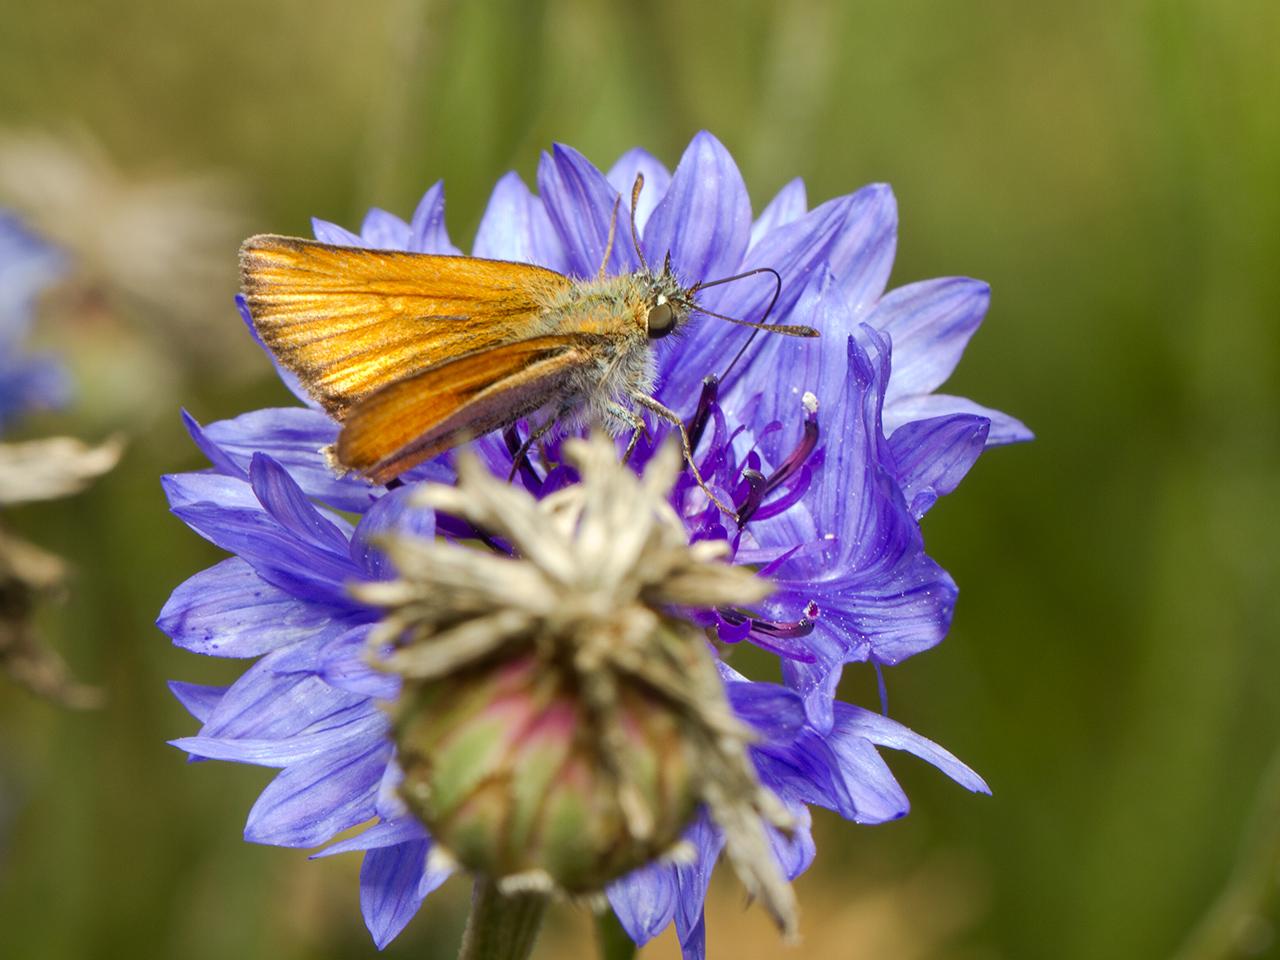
x=614 y=942
x=501 y=927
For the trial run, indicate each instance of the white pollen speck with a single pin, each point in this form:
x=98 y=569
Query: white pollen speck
x=828 y=536
x=810 y=402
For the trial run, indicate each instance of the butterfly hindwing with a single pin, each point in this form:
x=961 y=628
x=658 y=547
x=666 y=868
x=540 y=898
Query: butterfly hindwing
x=427 y=413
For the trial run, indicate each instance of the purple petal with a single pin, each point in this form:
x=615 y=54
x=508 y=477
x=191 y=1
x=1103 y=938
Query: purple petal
x=389 y=894
x=793 y=367
x=391 y=513
x=816 y=682
x=930 y=324
x=199 y=700
x=295 y=437
x=208 y=489
x=387 y=833
x=854 y=722
x=644 y=901
x=622 y=177
x=788 y=205
x=390 y=804
x=875 y=795
x=343 y=663
x=308 y=803
x=1004 y=428
x=230 y=611
x=287 y=548
x=285 y=502
x=278 y=698
x=692 y=880
x=804 y=771
x=581 y=205
x=427 y=231
x=327 y=232
x=277 y=557
x=340 y=733
x=516 y=227
x=932 y=456
x=221 y=461
x=773 y=710
x=384 y=231
x=704 y=220
x=863 y=255
x=795 y=851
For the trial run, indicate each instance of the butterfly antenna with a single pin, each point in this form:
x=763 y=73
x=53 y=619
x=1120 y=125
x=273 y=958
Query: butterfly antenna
x=613 y=230
x=635 y=229
x=788 y=329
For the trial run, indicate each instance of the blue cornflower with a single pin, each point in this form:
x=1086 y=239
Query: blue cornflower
x=830 y=450
x=28 y=265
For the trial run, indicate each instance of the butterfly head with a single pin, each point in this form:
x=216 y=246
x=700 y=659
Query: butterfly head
x=669 y=304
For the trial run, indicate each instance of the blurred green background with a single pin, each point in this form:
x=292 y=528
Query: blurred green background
x=1112 y=168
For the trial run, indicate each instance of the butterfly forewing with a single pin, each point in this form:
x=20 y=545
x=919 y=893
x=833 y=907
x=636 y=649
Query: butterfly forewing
x=350 y=321
x=423 y=415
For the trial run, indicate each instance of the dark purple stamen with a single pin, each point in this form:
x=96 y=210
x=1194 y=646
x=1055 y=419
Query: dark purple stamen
x=791 y=630
x=777 y=636
x=757 y=485
x=455 y=528
x=793 y=495
x=710 y=389
x=783 y=638
x=511 y=437
x=732 y=630
x=758 y=489
x=799 y=455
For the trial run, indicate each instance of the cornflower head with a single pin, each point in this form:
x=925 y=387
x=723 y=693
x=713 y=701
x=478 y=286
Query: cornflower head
x=531 y=680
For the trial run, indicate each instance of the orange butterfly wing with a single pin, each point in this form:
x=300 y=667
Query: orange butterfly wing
x=425 y=414
x=350 y=321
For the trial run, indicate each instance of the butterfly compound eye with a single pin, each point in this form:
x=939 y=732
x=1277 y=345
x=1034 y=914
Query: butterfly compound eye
x=662 y=320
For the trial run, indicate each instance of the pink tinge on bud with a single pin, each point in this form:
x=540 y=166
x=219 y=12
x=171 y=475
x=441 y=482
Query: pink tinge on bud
x=503 y=765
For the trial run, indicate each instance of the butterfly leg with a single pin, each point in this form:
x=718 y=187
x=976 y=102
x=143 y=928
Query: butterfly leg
x=632 y=419
x=536 y=434
x=636 y=434
x=652 y=405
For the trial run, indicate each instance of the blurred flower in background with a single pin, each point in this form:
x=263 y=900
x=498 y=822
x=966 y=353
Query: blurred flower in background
x=827 y=498
x=31 y=470
x=28 y=266
x=146 y=268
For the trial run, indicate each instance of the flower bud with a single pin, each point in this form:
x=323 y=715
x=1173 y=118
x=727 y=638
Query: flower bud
x=503 y=765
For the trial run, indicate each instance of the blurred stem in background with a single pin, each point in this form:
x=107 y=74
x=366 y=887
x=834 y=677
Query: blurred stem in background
x=1235 y=924
x=411 y=29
